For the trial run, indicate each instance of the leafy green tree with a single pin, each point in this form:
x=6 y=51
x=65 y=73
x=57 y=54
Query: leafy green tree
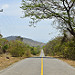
x=4 y=48
x=62 y=11
x=1 y=49
x=35 y=50
x=55 y=48
x=19 y=38
x=1 y=36
x=3 y=45
x=17 y=48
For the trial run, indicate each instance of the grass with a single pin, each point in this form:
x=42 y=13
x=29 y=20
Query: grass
x=4 y=62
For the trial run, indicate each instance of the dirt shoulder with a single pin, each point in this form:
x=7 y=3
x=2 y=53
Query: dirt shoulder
x=70 y=62
x=7 y=60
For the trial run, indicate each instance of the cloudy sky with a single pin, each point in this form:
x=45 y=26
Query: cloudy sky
x=11 y=23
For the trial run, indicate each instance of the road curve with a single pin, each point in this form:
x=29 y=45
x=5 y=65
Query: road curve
x=32 y=66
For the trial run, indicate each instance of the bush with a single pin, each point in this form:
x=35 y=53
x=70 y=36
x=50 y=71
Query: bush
x=19 y=49
x=35 y=50
x=1 y=49
x=65 y=49
x=52 y=47
x=4 y=48
x=16 y=48
x=3 y=45
x=17 y=52
x=28 y=53
x=69 y=49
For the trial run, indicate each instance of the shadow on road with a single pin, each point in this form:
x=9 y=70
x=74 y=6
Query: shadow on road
x=44 y=57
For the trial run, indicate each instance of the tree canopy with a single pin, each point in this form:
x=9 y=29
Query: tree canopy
x=62 y=11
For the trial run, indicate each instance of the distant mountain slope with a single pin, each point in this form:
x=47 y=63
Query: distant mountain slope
x=27 y=41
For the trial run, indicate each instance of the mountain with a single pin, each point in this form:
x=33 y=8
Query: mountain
x=26 y=40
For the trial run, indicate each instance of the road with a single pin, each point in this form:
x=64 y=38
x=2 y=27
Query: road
x=39 y=66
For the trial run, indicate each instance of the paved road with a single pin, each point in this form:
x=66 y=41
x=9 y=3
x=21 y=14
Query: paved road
x=32 y=66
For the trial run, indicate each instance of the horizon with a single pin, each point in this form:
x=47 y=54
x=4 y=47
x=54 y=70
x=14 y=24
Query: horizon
x=23 y=38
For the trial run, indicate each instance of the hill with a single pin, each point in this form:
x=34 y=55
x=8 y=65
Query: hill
x=26 y=40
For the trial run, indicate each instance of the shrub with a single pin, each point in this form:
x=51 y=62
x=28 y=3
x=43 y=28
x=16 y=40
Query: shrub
x=3 y=45
x=4 y=48
x=69 y=50
x=17 y=52
x=1 y=49
x=35 y=50
x=28 y=53
x=17 y=48
x=65 y=49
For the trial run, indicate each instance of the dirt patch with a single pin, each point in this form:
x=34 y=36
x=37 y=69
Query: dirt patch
x=70 y=62
x=7 y=60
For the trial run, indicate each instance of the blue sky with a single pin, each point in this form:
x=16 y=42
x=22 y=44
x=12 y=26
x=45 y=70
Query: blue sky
x=11 y=23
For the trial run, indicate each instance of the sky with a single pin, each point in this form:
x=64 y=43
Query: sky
x=11 y=23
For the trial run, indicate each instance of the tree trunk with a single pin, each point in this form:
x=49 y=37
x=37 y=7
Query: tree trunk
x=72 y=32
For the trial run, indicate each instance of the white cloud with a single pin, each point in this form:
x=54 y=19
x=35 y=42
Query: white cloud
x=12 y=10
x=5 y=6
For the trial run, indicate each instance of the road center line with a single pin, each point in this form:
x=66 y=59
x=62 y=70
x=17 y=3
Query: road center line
x=42 y=65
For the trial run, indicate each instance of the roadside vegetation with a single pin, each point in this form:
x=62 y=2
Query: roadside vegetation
x=61 y=47
x=16 y=50
x=35 y=50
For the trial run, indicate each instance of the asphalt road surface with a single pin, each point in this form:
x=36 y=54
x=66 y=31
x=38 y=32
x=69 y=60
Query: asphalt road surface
x=39 y=66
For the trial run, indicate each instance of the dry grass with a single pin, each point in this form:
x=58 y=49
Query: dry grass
x=70 y=62
x=4 y=62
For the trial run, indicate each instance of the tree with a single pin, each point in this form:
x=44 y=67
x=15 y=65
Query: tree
x=1 y=36
x=19 y=38
x=4 y=48
x=62 y=11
